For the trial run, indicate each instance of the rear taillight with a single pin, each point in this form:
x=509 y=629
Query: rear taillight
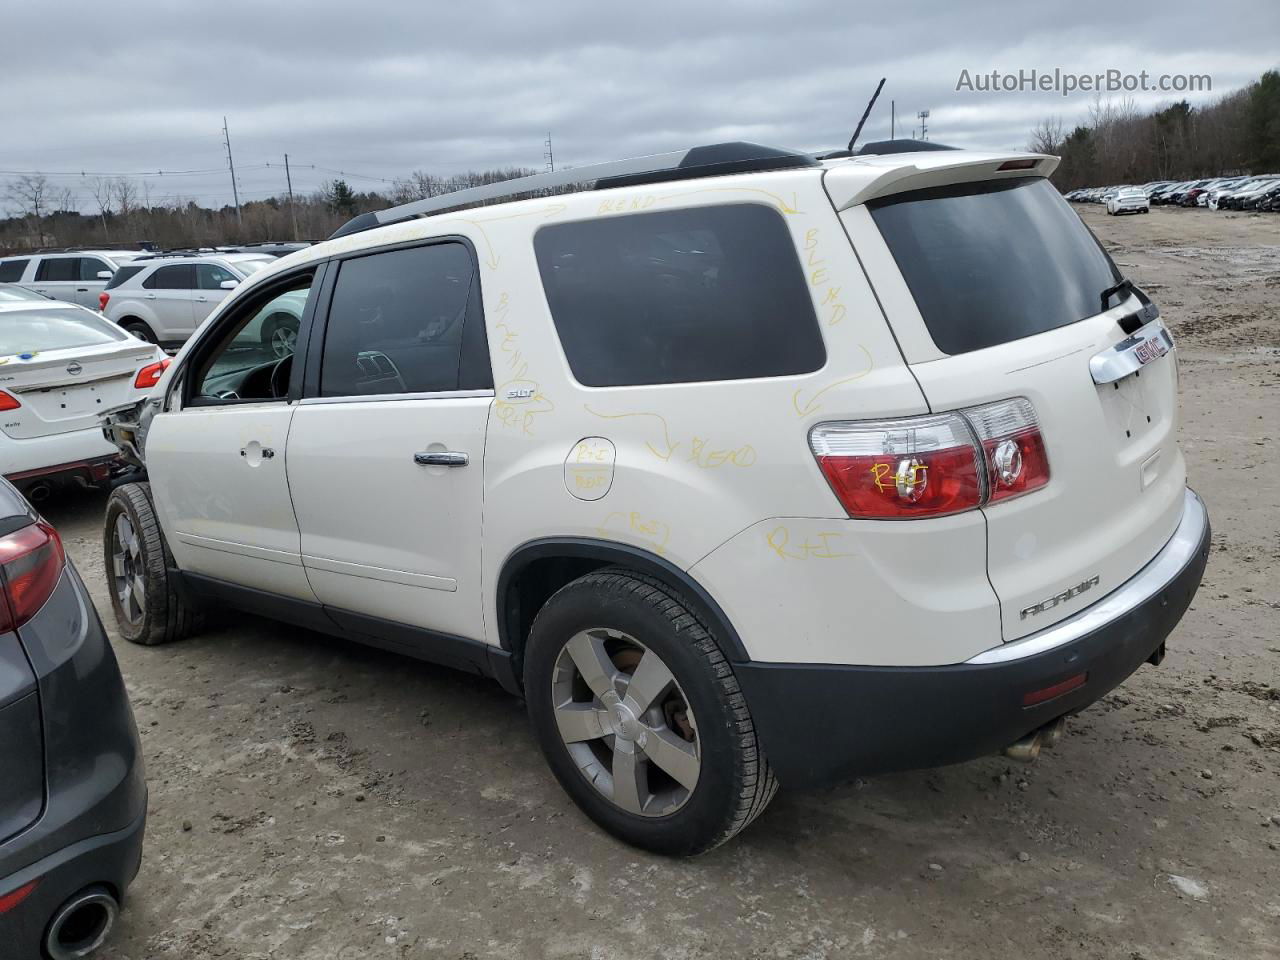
x=103 y=298
x=1013 y=447
x=31 y=561
x=896 y=469
x=150 y=375
x=8 y=401
x=935 y=465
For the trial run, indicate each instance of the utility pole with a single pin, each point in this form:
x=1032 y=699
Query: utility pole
x=893 y=118
x=549 y=156
x=924 y=127
x=235 y=193
x=293 y=211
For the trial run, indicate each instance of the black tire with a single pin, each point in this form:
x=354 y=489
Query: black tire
x=164 y=614
x=734 y=782
x=137 y=328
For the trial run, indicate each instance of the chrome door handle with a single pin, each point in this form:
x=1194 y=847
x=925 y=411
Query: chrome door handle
x=149 y=296
x=445 y=458
x=202 y=299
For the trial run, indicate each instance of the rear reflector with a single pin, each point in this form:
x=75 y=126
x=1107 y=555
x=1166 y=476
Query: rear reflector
x=150 y=375
x=1027 y=164
x=1044 y=694
x=897 y=469
x=8 y=401
x=12 y=899
x=31 y=561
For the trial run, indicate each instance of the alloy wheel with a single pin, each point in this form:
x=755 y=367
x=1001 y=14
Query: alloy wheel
x=127 y=570
x=626 y=723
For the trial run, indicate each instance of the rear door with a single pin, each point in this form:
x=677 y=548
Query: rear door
x=386 y=450
x=169 y=291
x=57 y=276
x=995 y=291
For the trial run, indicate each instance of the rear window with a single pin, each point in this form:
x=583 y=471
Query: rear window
x=30 y=331
x=11 y=270
x=121 y=275
x=994 y=261
x=711 y=293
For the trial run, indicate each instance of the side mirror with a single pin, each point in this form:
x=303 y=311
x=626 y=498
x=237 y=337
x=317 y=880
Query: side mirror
x=229 y=284
x=105 y=274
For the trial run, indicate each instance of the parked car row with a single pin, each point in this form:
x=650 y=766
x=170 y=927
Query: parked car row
x=1215 y=193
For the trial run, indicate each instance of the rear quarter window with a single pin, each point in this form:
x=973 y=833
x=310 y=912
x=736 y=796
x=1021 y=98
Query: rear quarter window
x=994 y=261
x=121 y=275
x=709 y=293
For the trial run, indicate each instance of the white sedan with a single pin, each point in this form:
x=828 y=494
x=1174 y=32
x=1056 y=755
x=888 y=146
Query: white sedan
x=61 y=365
x=1129 y=200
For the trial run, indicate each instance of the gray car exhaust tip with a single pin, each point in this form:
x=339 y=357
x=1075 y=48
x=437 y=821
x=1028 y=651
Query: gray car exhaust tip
x=80 y=926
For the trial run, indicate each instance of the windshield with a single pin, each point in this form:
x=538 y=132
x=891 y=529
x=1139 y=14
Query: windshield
x=31 y=331
x=248 y=267
x=994 y=261
x=11 y=291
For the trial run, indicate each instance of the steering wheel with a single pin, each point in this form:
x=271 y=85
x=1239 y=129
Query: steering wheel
x=278 y=382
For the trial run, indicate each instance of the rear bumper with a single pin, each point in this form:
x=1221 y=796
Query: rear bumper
x=77 y=453
x=821 y=723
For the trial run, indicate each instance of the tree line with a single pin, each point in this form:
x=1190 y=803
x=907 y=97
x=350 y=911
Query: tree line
x=122 y=214
x=1236 y=134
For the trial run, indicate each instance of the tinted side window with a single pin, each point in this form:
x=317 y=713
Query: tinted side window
x=396 y=322
x=11 y=270
x=178 y=277
x=54 y=269
x=121 y=275
x=90 y=267
x=712 y=293
x=209 y=276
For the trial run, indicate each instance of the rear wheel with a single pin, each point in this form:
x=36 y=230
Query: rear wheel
x=147 y=607
x=640 y=716
x=280 y=333
x=139 y=329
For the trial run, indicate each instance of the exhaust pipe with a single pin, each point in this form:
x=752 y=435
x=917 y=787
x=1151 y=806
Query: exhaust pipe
x=1046 y=738
x=38 y=492
x=80 y=925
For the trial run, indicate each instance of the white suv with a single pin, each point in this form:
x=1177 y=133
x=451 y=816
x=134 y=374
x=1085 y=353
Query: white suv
x=743 y=467
x=165 y=297
x=74 y=276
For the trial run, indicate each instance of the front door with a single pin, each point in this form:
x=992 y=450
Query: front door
x=386 y=450
x=209 y=290
x=216 y=456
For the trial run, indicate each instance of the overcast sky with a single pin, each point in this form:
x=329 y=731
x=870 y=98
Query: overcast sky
x=379 y=88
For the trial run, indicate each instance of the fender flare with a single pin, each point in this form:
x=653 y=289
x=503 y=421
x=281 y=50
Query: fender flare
x=611 y=552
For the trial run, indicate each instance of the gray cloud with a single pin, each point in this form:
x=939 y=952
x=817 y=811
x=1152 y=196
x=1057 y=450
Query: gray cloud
x=381 y=88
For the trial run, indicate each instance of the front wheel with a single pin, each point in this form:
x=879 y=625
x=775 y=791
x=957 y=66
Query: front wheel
x=280 y=334
x=640 y=717
x=147 y=607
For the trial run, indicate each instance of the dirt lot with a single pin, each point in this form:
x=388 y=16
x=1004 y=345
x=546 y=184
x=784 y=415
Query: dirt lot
x=311 y=799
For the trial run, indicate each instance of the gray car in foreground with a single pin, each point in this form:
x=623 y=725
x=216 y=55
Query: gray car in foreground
x=72 y=792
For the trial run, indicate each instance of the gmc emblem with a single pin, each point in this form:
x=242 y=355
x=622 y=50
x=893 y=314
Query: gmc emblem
x=1048 y=604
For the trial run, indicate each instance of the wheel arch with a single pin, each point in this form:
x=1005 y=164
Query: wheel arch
x=535 y=570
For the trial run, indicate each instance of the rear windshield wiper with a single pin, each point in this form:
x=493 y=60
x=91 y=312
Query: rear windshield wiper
x=1131 y=321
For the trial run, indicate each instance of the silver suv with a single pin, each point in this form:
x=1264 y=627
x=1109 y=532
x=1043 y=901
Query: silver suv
x=164 y=298
x=76 y=276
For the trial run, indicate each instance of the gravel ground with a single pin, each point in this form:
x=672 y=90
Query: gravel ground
x=312 y=799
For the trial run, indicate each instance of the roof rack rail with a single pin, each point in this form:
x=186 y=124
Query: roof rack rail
x=714 y=160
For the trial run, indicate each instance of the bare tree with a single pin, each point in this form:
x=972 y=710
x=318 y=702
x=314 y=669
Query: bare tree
x=29 y=196
x=103 y=192
x=1046 y=136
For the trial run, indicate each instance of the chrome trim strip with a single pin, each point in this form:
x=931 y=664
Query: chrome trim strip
x=383 y=397
x=1149 y=342
x=404 y=578
x=1144 y=585
x=240 y=549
